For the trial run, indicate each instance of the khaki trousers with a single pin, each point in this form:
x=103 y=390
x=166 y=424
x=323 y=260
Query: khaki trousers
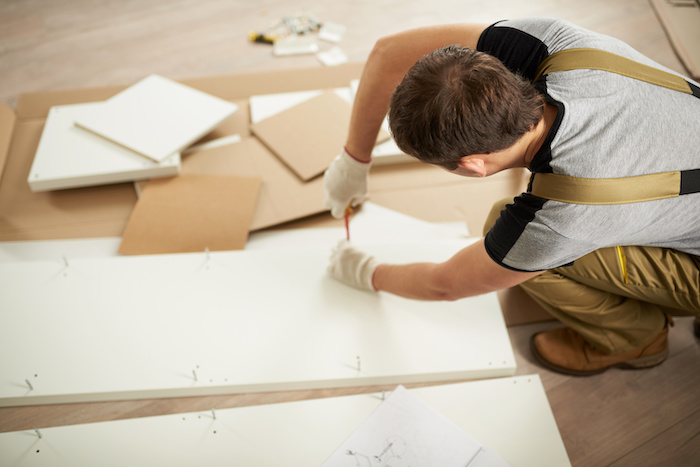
x=617 y=312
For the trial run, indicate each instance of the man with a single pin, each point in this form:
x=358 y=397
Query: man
x=462 y=97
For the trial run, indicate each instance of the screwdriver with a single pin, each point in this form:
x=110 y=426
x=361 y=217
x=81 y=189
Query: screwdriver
x=348 y=212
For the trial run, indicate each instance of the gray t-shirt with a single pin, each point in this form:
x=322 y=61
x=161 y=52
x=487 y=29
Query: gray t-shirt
x=608 y=126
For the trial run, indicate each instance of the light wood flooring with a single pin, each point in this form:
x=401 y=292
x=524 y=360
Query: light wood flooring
x=620 y=418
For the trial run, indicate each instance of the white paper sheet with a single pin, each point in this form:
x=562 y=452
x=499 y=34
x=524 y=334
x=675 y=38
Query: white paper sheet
x=404 y=431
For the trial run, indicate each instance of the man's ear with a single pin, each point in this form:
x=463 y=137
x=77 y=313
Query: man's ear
x=474 y=163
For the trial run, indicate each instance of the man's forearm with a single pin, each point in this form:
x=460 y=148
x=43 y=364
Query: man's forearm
x=469 y=272
x=414 y=281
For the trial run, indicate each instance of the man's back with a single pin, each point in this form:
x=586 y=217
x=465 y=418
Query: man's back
x=608 y=126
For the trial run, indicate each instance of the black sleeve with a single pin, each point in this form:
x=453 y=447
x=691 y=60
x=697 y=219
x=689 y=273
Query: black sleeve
x=519 y=51
x=510 y=225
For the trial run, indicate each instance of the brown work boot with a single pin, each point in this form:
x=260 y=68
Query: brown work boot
x=565 y=351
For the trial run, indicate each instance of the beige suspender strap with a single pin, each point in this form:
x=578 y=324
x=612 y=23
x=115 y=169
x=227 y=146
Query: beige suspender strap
x=625 y=190
x=606 y=190
x=614 y=190
x=594 y=59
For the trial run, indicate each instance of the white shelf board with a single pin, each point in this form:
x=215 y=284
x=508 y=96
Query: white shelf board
x=509 y=415
x=134 y=327
x=71 y=157
x=157 y=117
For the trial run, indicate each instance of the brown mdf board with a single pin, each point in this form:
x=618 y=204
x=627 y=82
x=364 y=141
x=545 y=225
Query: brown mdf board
x=283 y=196
x=681 y=21
x=191 y=213
x=307 y=136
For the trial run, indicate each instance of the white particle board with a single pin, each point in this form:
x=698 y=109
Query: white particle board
x=509 y=415
x=157 y=117
x=70 y=157
x=227 y=322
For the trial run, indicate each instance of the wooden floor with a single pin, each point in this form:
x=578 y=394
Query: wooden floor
x=621 y=418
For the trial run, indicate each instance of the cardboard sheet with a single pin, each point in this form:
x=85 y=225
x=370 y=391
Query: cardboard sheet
x=283 y=196
x=307 y=136
x=510 y=415
x=157 y=117
x=191 y=213
x=69 y=156
x=79 y=212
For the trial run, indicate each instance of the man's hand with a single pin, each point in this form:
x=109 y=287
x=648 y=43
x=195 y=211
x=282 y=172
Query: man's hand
x=352 y=266
x=345 y=183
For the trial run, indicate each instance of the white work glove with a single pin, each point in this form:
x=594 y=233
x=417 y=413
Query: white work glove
x=352 y=266
x=345 y=183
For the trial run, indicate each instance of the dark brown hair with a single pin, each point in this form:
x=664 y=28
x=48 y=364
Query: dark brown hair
x=456 y=101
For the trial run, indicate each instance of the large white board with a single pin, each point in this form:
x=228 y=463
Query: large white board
x=509 y=415
x=225 y=322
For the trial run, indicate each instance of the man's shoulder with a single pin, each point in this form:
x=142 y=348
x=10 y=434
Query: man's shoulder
x=538 y=26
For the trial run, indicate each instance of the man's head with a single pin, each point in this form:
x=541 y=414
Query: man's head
x=456 y=102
